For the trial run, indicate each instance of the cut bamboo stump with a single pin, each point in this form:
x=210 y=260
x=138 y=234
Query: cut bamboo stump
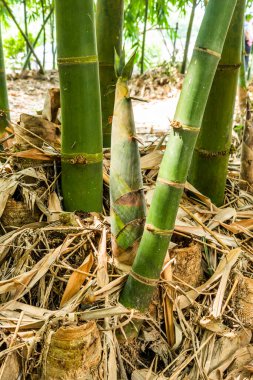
x=74 y=353
x=243 y=301
x=188 y=266
x=52 y=105
x=17 y=214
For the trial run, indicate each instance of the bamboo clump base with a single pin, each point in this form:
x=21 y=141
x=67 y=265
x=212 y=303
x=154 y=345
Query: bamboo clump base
x=58 y=275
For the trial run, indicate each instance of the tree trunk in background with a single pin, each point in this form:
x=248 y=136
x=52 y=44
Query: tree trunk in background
x=209 y=165
x=52 y=29
x=109 y=25
x=247 y=141
x=188 y=37
x=51 y=12
x=144 y=36
x=44 y=33
x=174 y=53
x=26 y=31
x=80 y=103
x=247 y=151
x=148 y=263
x=126 y=187
x=4 y=105
x=23 y=34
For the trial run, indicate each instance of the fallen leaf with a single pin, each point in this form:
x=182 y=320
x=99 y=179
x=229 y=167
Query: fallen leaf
x=76 y=279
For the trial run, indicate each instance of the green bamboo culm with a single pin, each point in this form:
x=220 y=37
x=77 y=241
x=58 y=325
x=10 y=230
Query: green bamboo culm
x=109 y=25
x=128 y=210
x=4 y=104
x=81 y=109
x=208 y=171
x=148 y=263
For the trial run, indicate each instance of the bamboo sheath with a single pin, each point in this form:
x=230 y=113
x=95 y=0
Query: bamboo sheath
x=109 y=25
x=4 y=105
x=126 y=187
x=147 y=266
x=208 y=171
x=81 y=110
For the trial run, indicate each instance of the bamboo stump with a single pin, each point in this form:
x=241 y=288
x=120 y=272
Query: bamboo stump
x=243 y=301
x=74 y=353
x=51 y=105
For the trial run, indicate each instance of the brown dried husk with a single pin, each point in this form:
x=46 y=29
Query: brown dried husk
x=188 y=265
x=74 y=353
x=17 y=214
x=243 y=300
x=34 y=131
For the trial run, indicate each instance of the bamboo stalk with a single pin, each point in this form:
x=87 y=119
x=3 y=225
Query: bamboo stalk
x=208 y=170
x=4 y=104
x=147 y=266
x=80 y=102
x=109 y=24
x=126 y=187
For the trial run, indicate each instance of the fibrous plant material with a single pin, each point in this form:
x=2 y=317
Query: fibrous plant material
x=208 y=170
x=80 y=106
x=160 y=223
x=74 y=353
x=4 y=105
x=243 y=300
x=187 y=269
x=126 y=187
x=109 y=24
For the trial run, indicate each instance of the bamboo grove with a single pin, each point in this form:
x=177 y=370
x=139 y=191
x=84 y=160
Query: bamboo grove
x=97 y=112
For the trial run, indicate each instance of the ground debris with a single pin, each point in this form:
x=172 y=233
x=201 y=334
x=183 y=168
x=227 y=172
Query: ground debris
x=58 y=275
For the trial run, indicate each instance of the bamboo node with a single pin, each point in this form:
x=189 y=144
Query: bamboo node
x=77 y=60
x=158 y=231
x=177 y=125
x=144 y=280
x=82 y=159
x=178 y=185
x=222 y=67
x=208 y=51
x=209 y=154
x=106 y=64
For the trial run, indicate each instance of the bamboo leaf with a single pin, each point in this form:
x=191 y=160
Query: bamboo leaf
x=76 y=279
x=102 y=274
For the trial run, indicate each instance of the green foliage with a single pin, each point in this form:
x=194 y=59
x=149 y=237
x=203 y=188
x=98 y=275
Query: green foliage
x=15 y=46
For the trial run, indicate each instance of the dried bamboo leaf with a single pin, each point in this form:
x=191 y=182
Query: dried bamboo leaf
x=102 y=274
x=21 y=284
x=54 y=207
x=224 y=352
x=242 y=361
x=222 y=216
x=76 y=279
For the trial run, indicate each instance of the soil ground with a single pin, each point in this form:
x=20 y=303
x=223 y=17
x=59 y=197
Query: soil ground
x=27 y=96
